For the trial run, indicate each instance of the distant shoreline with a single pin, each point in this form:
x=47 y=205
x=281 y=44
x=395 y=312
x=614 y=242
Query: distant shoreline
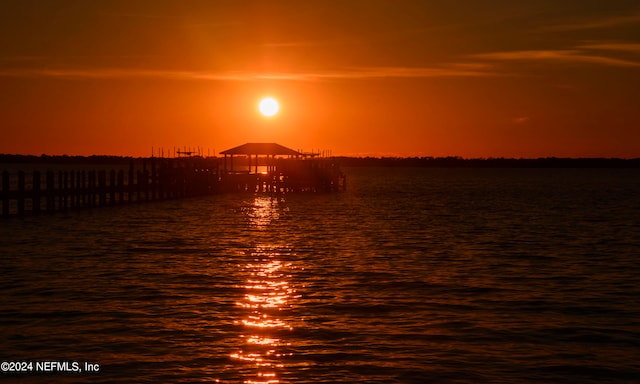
x=347 y=161
x=458 y=162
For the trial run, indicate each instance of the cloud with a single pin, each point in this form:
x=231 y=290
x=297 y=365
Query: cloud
x=521 y=120
x=451 y=70
x=566 y=55
x=623 y=47
x=607 y=22
x=309 y=43
x=8 y=59
x=116 y=73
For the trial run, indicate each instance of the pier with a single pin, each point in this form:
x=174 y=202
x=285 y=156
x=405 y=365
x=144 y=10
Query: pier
x=270 y=167
x=250 y=168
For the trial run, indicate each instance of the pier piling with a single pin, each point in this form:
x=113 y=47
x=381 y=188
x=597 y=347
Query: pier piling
x=5 y=193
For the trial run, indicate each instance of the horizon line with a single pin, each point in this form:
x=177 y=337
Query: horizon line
x=363 y=156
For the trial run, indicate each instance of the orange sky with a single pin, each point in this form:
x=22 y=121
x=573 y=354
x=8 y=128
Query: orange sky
x=401 y=78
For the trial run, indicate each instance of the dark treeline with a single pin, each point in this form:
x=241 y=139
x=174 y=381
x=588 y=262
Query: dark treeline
x=458 y=162
x=436 y=162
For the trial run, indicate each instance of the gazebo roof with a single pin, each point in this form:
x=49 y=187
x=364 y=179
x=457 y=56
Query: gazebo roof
x=261 y=149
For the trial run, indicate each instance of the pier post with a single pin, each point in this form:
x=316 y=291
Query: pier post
x=179 y=182
x=5 y=193
x=65 y=191
x=86 y=201
x=73 y=192
x=138 y=186
x=21 y=192
x=120 y=186
x=50 y=196
x=112 y=187
x=35 y=198
x=143 y=181
x=130 y=183
x=102 y=188
x=60 y=191
x=154 y=180
x=145 y=184
x=161 y=180
x=82 y=190
x=92 y=189
x=86 y=189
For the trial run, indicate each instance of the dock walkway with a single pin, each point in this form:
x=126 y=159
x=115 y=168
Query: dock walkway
x=64 y=189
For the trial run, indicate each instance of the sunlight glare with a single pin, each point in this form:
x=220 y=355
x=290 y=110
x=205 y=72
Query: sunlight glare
x=268 y=107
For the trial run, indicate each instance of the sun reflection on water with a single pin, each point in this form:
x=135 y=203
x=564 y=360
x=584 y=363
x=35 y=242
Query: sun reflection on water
x=263 y=211
x=267 y=298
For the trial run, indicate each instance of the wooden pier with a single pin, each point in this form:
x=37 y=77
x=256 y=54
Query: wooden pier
x=54 y=191
x=157 y=179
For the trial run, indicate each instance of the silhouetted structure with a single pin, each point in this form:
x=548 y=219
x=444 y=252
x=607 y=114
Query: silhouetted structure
x=64 y=190
x=266 y=167
x=273 y=167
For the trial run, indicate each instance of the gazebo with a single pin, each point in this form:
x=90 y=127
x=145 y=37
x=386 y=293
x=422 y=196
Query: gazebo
x=268 y=150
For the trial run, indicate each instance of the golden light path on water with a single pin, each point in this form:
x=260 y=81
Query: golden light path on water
x=267 y=294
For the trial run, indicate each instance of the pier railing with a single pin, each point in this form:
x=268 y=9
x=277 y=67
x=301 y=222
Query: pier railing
x=288 y=176
x=51 y=191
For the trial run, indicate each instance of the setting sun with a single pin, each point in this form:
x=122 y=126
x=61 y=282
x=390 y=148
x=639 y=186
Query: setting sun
x=268 y=106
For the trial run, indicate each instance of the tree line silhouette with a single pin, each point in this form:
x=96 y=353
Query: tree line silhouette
x=347 y=161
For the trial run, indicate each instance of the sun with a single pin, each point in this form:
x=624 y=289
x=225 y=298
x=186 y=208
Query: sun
x=269 y=107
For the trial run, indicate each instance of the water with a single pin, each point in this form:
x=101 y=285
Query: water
x=411 y=276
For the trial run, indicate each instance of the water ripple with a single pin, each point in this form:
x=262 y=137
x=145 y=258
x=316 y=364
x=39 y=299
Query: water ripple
x=411 y=276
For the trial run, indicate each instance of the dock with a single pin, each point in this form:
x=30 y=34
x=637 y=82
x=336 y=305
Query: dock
x=270 y=167
x=249 y=168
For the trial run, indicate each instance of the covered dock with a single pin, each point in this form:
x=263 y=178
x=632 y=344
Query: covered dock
x=272 y=167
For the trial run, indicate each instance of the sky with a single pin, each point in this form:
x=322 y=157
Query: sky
x=465 y=78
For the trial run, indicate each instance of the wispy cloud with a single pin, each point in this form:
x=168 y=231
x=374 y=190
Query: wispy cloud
x=23 y=58
x=115 y=73
x=451 y=70
x=521 y=120
x=605 y=22
x=309 y=43
x=623 y=47
x=566 y=55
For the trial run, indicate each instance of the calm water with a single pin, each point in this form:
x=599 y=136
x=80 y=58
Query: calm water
x=411 y=276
